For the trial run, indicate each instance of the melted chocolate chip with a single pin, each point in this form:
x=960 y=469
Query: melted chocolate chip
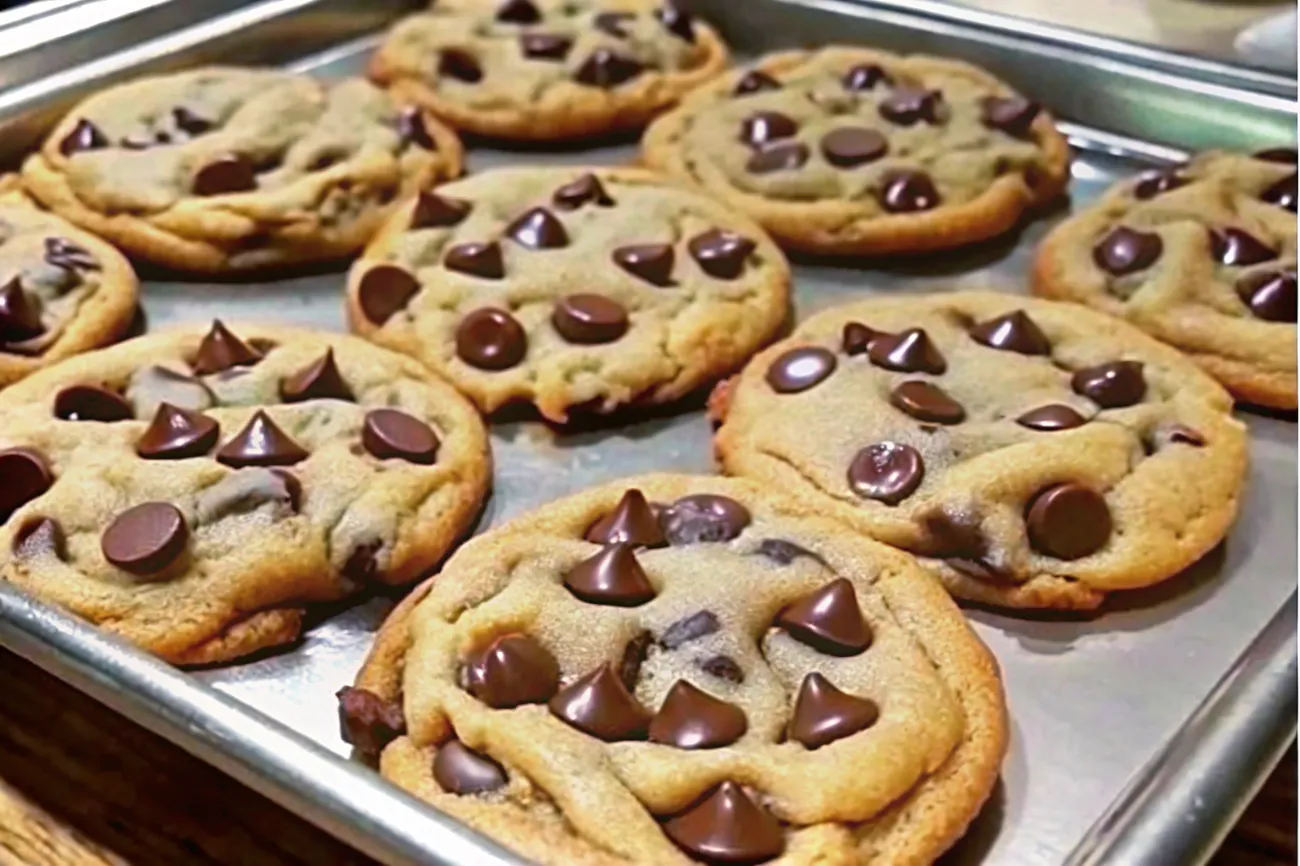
x=63 y=253
x=927 y=402
x=856 y=338
x=222 y=350
x=545 y=46
x=510 y=671
x=1127 y=251
x=144 y=540
x=613 y=23
x=606 y=68
x=912 y=351
x=367 y=722
x=1013 y=115
x=600 y=705
x=1113 y=385
x=632 y=521
x=780 y=156
x=411 y=129
x=1236 y=247
x=175 y=434
x=693 y=719
x=909 y=191
x=824 y=714
x=458 y=769
x=1056 y=416
x=20 y=314
x=518 y=12
x=704 y=518
x=721 y=254
x=784 y=552
x=907 y=106
x=586 y=189
x=888 y=472
x=865 y=77
x=766 y=126
x=460 y=65
x=687 y=629
x=91 y=403
x=613 y=576
x=1282 y=193
x=189 y=122
x=40 y=536
x=755 y=82
x=384 y=291
x=726 y=826
x=1068 y=521
x=319 y=380
x=434 y=211
x=851 y=146
x=1013 y=332
x=589 y=319
x=1271 y=295
x=390 y=434
x=1157 y=182
x=84 y=136
x=261 y=443
x=634 y=655
x=722 y=667
x=24 y=475
x=800 y=369
x=491 y=339
x=482 y=260
x=538 y=229
x=828 y=620
x=651 y=262
x=226 y=174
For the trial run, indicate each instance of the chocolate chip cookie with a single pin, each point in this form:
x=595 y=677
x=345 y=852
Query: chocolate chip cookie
x=548 y=69
x=860 y=152
x=62 y=291
x=220 y=169
x=673 y=669
x=570 y=288
x=1201 y=256
x=197 y=493
x=1037 y=454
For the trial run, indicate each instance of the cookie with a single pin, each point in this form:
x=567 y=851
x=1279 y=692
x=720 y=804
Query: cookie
x=1201 y=256
x=546 y=70
x=1035 y=453
x=199 y=493
x=672 y=669
x=225 y=169
x=851 y=151
x=62 y=291
x=569 y=287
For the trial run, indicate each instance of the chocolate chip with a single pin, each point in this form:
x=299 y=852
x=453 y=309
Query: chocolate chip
x=91 y=403
x=1285 y=155
x=856 y=338
x=1157 y=182
x=828 y=620
x=600 y=705
x=434 y=211
x=726 y=826
x=766 y=126
x=1271 y=295
x=800 y=369
x=24 y=475
x=851 y=146
x=1056 y=416
x=411 y=129
x=40 y=536
x=755 y=82
x=482 y=260
x=246 y=491
x=367 y=722
x=1013 y=115
x=784 y=552
x=677 y=21
x=20 y=314
x=781 y=156
x=385 y=290
x=518 y=12
x=1127 y=251
x=693 y=719
x=221 y=350
x=146 y=539
x=362 y=564
x=689 y=628
x=390 y=434
x=651 y=262
x=461 y=65
x=84 y=136
x=722 y=667
x=1282 y=193
x=545 y=46
x=458 y=769
x=632 y=522
x=491 y=339
x=613 y=577
x=63 y=253
x=226 y=174
x=912 y=351
x=510 y=671
x=910 y=105
x=613 y=23
x=865 y=77
x=824 y=714
x=261 y=443
x=704 y=518
x=908 y=191
x=886 y=471
x=586 y=188
x=538 y=229
x=927 y=402
x=721 y=254
x=189 y=122
x=634 y=655
x=1236 y=247
x=605 y=68
x=1113 y=385
x=1068 y=521
x=589 y=319
x=319 y=380
x=1013 y=332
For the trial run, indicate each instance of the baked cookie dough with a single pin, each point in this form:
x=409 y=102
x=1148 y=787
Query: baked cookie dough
x=548 y=69
x=198 y=493
x=570 y=288
x=1037 y=454
x=671 y=670
x=1201 y=256
x=227 y=169
x=62 y=291
x=859 y=152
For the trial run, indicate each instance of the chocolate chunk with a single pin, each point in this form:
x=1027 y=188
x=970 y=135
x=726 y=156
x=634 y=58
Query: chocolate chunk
x=458 y=769
x=784 y=552
x=84 y=136
x=518 y=12
x=693 y=719
x=385 y=290
x=605 y=68
x=600 y=705
x=888 y=472
x=587 y=188
x=545 y=46
x=613 y=23
x=319 y=380
x=690 y=628
x=434 y=211
x=631 y=522
x=482 y=260
x=1068 y=521
x=538 y=229
x=390 y=434
x=704 y=518
x=677 y=21
x=512 y=670
x=1056 y=416
x=1013 y=115
x=367 y=722
x=1127 y=251
x=221 y=350
x=851 y=146
x=856 y=338
x=248 y=490
x=1157 y=182
x=800 y=369
x=1113 y=385
x=40 y=536
x=912 y=351
x=1285 y=155
x=491 y=339
x=726 y=826
x=226 y=174
x=754 y=81
x=24 y=475
x=63 y=253
x=907 y=106
x=1282 y=193
x=908 y=191
x=154 y=385
x=261 y=443
x=411 y=129
x=589 y=319
x=780 y=156
x=721 y=254
x=722 y=667
x=1271 y=295
x=1013 y=332
x=828 y=620
x=460 y=65
x=144 y=540
x=20 y=314
x=927 y=402
x=612 y=577
x=765 y=126
x=824 y=714
x=651 y=262
x=865 y=77
x=91 y=403
x=634 y=655
x=1236 y=247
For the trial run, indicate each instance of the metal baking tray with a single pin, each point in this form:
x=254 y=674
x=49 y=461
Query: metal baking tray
x=1138 y=734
